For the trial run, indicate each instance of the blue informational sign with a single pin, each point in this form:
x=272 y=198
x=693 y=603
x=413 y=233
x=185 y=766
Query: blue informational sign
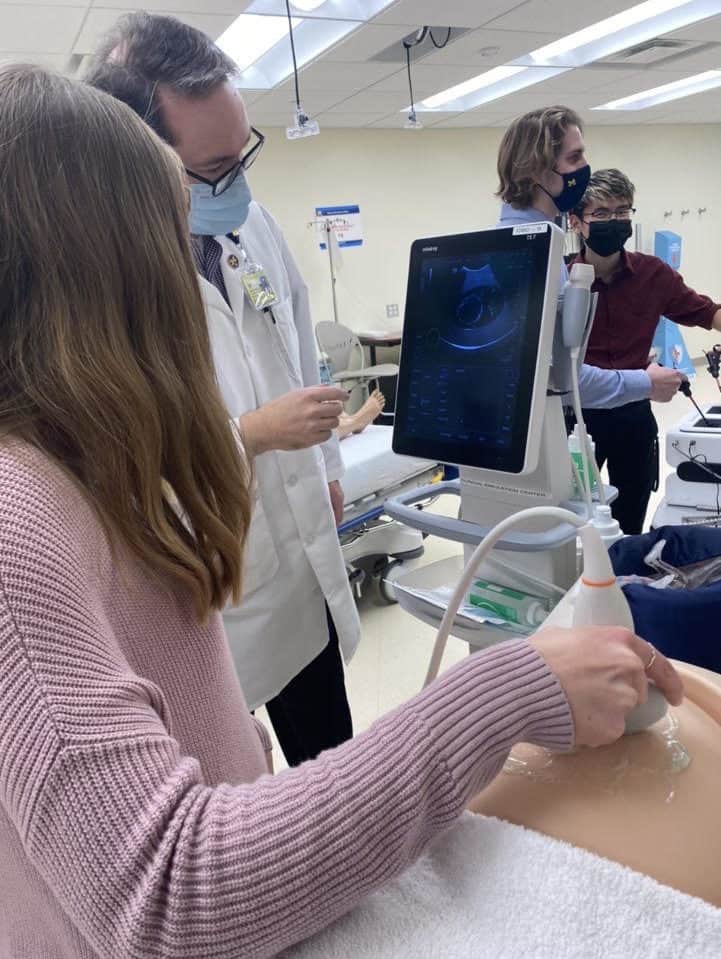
x=345 y=222
x=668 y=347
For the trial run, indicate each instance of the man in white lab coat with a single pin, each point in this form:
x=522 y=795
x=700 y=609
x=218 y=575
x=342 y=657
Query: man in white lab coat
x=297 y=606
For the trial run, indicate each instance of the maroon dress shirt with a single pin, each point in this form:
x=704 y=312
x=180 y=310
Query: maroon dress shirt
x=630 y=306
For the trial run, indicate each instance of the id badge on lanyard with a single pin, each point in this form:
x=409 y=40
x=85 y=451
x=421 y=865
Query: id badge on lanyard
x=256 y=283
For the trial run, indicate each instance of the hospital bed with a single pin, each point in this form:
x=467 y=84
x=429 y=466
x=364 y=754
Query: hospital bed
x=375 y=546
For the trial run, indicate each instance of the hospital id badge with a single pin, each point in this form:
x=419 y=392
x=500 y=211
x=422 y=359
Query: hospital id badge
x=258 y=288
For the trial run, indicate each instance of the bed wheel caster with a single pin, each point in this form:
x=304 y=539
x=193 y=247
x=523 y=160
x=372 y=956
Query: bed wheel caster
x=356 y=578
x=386 y=590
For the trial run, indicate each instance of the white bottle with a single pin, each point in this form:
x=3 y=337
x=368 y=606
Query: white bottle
x=600 y=602
x=575 y=448
x=606 y=525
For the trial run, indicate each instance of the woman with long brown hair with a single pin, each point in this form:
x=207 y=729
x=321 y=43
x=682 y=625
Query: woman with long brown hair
x=136 y=815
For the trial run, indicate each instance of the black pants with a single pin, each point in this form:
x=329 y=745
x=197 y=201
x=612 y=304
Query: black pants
x=312 y=713
x=627 y=439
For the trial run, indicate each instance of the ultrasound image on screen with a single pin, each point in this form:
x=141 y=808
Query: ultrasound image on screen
x=464 y=355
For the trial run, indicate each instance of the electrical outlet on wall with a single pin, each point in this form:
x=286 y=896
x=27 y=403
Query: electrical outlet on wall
x=392 y=310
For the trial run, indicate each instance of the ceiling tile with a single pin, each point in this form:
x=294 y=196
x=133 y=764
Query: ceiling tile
x=283 y=99
x=450 y=13
x=393 y=122
x=557 y=16
x=499 y=47
x=349 y=119
x=474 y=119
x=371 y=101
x=585 y=80
x=427 y=79
x=231 y=8
x=9 y=7
x=345 y=78
x=704 y=31
x=686 y=66
x=365 y=43
x=99 y=21
x=40 y=28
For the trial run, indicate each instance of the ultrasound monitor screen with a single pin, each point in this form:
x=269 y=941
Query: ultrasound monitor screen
x=470 y=342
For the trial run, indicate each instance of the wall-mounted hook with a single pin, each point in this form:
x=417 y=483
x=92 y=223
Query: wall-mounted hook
x=667 y=214
x=702 y=210
x=685 y=212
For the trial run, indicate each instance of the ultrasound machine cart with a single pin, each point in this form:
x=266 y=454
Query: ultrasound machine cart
x=483 y=369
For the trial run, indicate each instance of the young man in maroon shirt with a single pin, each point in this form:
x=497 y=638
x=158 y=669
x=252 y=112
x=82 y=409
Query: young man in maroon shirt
x=635 y=290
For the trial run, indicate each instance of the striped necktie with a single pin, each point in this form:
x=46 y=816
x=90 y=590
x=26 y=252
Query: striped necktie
x=208 y=255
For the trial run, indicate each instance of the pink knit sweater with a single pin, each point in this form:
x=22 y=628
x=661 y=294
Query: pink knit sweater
x=136 y=819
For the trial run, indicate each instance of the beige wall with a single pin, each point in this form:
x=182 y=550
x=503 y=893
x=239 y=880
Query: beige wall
x=412 y=184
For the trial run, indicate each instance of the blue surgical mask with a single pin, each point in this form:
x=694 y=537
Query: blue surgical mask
x=217 y=215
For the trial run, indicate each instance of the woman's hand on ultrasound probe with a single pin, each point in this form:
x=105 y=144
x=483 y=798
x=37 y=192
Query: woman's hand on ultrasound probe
x=294 y=421
x=604 y=671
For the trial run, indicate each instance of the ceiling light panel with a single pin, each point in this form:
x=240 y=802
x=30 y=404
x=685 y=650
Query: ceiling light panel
x=675 y=90
x=639 y=23
x=258 y=39
x=491 y=85
x=359 y=10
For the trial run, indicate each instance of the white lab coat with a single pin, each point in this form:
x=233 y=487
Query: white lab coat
x=293 y=561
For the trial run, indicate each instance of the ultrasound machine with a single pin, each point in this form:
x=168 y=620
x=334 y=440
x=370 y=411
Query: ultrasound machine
x=488 y=343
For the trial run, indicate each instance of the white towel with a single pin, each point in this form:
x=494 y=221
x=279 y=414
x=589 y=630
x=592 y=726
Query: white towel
x=490 y=890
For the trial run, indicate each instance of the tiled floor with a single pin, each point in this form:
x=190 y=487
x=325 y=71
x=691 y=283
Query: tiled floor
x=395 y=648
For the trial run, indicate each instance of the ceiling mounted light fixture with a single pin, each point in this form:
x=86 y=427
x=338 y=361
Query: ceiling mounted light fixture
x=639 y=23
x=666 y=92
x=490 y=85
x=256 y=40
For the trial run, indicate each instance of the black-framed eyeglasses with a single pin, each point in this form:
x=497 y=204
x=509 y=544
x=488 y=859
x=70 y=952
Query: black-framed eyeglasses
x=622 y=213
x=230 y=176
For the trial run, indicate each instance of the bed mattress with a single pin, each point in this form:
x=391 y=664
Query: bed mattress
x=372 y=467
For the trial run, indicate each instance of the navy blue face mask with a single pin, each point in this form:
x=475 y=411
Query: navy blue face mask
x=574 y=186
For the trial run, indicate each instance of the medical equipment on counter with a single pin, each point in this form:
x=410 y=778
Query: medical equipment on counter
x=509 y=604
x=685 y=388
x=482 y=329
x=713 y=358
x=582 y=460
x=693 y=449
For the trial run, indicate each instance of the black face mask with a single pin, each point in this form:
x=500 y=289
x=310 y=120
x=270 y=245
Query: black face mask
x=574 y=186
x=607 y=237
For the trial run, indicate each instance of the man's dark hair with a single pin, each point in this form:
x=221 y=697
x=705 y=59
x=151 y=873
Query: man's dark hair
x=609 y=184
x=143 y=51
